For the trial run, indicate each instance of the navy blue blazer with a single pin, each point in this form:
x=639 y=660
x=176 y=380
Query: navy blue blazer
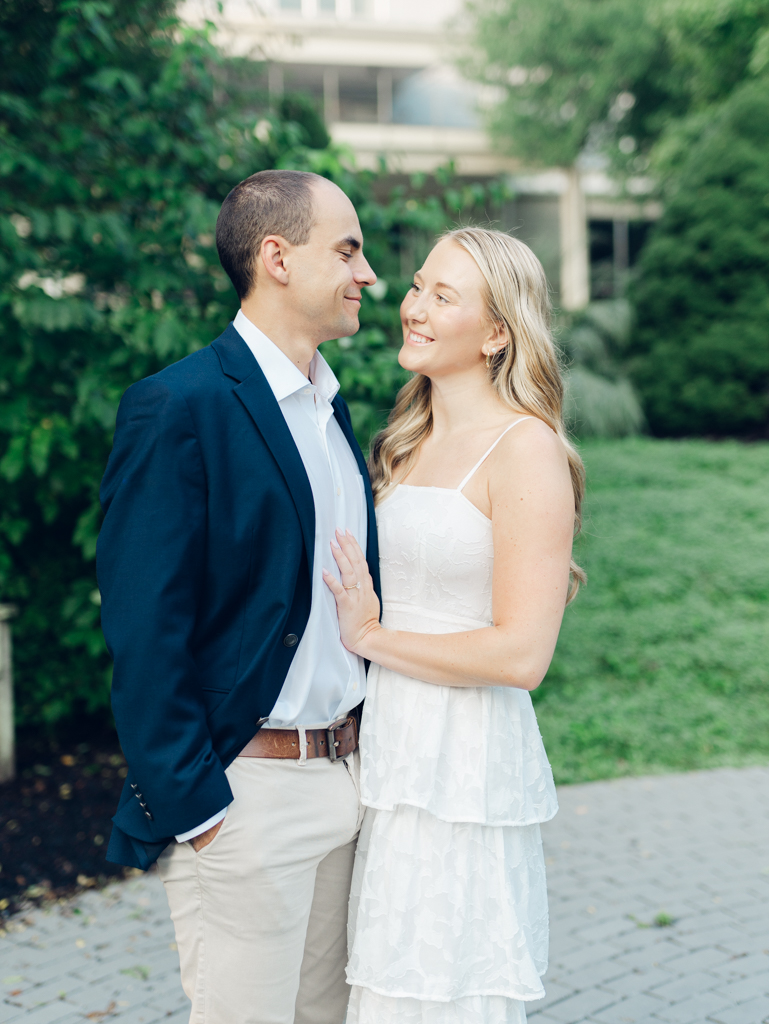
x=204 y=563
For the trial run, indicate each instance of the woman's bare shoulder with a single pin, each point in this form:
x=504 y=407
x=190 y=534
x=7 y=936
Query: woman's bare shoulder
x=530 y=451
x=531 y=437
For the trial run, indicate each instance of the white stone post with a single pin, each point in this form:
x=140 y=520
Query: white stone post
x=575 y=257
x=275 y=81
x=384 y=96
x=7 y=752
x=330 y=95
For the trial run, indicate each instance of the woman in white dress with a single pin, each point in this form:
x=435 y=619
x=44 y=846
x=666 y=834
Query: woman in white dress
x=478 y=496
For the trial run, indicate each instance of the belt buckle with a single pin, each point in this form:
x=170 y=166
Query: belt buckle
x=331 y=743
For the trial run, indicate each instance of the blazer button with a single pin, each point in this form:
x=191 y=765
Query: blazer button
x=148 y=815
x=291 y=640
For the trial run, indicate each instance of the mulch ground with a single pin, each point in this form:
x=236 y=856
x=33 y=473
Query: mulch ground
x=55 y=821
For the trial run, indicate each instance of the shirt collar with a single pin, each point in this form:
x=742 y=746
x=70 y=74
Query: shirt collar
x=282 y=375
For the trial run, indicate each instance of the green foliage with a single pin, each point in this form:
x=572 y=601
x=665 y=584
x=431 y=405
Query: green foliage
x=300 y=110
x=120 y=133
x=702 y=343
x=661 y=664
x=600 y=400
x=562 y=67
x=611 y=75
x=683 y=84
x=117 y=144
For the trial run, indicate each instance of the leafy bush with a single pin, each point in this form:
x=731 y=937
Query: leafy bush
x=702 y=343
x=600 y=400
x=614 y=77
x=597 y=407
x=118 y=142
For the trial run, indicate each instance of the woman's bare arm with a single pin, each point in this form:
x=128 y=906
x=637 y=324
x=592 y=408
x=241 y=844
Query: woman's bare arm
x=532 y=507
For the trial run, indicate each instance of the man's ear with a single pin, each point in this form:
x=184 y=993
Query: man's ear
x=273 y=252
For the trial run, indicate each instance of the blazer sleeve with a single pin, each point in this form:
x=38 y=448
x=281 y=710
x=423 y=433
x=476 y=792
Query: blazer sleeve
x=150 y=566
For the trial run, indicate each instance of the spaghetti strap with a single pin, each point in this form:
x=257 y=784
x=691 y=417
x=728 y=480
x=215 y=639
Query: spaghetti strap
x=485 y=456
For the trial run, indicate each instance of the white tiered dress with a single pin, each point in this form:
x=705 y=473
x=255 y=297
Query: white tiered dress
x=448 y=912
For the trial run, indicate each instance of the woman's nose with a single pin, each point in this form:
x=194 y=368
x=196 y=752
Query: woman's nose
x=415 y=310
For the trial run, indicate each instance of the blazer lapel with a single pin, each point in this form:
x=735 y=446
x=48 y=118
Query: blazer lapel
x=372 y=544
x=256 y=395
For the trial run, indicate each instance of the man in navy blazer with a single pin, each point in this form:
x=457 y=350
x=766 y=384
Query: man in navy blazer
x=234 y=698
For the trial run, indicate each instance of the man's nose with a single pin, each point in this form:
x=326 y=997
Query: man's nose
x=363 y=274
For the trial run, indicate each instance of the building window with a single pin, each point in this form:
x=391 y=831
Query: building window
x=362 y=8
x=290 y=5
x=327 y=6
x=614 y=249
x=434 y=96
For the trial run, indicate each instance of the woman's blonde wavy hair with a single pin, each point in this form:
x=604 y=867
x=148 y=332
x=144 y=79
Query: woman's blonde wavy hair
x=525 y=372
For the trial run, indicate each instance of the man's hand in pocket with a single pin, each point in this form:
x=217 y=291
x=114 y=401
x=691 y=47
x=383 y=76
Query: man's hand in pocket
x=198 y=842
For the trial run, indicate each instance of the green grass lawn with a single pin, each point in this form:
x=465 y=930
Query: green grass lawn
x=663 y=660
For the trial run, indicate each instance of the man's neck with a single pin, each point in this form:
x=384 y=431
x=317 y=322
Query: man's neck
x=283 y=332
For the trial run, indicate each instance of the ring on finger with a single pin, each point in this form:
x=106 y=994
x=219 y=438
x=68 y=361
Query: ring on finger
x=355 y=586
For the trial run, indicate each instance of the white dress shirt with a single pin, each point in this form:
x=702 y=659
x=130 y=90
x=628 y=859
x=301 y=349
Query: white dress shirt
x=325 y=680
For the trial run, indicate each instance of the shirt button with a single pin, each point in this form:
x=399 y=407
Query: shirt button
x=339 y=490
x=355 y=686
x=291 y=640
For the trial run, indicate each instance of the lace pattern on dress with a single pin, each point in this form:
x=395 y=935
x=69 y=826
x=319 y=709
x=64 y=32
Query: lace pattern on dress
x=481 y=754
x=448 y=909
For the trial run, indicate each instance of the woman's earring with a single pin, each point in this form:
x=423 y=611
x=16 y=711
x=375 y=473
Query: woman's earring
x=488 y=360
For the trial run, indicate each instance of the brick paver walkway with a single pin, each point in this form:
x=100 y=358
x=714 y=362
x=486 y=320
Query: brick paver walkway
x=693 y=848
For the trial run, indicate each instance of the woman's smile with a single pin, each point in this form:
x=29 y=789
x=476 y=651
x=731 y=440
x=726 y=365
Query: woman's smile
x=418 y=339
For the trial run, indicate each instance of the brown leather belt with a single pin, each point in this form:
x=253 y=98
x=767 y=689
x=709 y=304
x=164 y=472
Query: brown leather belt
x=337 y=741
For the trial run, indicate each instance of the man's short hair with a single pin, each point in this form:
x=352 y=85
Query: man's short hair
x=267 y=203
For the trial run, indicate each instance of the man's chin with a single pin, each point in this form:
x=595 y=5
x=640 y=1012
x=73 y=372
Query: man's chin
x=343 y=327
x=347 y=327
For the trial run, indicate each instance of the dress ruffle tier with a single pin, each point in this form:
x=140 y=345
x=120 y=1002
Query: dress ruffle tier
x=462 y=753
x=448 y=913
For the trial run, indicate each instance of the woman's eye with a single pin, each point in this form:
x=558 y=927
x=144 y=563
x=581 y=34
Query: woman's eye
x=442 y=298
x=415 y=287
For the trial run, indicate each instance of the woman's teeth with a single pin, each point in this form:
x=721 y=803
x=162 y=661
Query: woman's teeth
x=419 y=339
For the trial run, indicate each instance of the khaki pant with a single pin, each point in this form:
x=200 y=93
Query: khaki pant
x=261 y=912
